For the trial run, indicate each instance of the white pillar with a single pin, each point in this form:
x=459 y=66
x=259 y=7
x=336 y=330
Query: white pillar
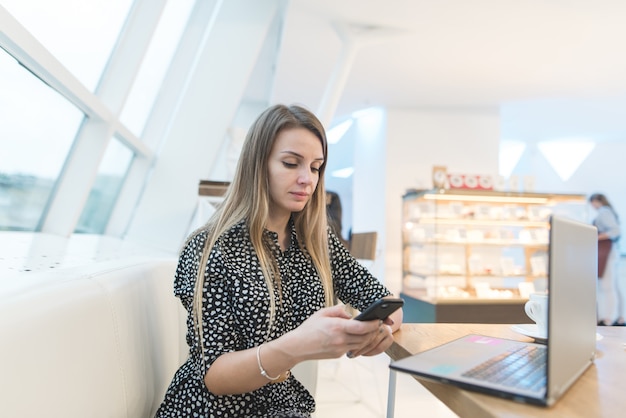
x=339 y=76
x=353 y=37
x=211 y=97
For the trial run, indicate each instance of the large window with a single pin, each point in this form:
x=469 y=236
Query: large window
x=37 y=127
x=155 y=64
x=79 y=33
x=88 y=90
x=37 y=124
x=111 y=174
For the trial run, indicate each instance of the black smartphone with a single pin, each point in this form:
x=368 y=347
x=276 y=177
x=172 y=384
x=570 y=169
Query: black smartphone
x=380 y=309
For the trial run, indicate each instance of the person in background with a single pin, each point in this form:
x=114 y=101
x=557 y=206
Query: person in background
x=610 y=290
x=335 y=215
x=258 y=281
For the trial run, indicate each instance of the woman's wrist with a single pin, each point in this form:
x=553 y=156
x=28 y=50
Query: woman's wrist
x=288 y=348
x=278 y=378
x=274 y=360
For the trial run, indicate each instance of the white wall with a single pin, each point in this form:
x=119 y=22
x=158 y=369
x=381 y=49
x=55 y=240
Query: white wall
x=599 y=172
x=369 y=180
x=553 y=119
x=466 y=141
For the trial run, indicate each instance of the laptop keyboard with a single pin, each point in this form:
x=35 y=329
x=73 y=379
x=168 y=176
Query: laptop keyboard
x=521 y=367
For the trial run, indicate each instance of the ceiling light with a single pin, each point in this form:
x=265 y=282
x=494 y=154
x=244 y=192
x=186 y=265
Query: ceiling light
x=510 y=154
x=343 y=172
x=565 y=156
x=337 y=132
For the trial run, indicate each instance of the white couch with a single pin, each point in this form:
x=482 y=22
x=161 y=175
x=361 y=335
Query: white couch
x=101 y=340
x=96 y=340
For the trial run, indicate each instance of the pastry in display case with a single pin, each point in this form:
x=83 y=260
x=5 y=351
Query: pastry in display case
x=478 y=247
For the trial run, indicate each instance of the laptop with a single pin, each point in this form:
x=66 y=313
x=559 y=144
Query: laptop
x=544 y=371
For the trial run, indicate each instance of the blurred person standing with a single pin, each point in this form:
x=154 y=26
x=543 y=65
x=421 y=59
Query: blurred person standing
x=335 y=215
x=610 y=290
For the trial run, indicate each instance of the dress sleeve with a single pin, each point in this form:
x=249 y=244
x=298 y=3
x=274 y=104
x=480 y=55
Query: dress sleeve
x=187 y=270
x=354 y=284
x=220 y=331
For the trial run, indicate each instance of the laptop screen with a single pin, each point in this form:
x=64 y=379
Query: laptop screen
x=572 y=302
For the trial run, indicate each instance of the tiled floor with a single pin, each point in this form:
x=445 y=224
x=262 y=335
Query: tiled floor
x=358 y=388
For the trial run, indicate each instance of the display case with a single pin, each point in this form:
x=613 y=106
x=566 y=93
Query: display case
x=474 y=256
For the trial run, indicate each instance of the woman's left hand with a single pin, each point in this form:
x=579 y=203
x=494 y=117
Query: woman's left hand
x=379 y=343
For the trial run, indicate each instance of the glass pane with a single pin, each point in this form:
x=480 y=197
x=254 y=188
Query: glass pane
x=106 y=188
x=155 y=64
x=103 y=195
x=37 y=128
x=79 y=33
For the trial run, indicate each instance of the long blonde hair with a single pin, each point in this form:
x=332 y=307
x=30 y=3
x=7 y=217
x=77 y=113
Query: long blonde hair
x=247 y=198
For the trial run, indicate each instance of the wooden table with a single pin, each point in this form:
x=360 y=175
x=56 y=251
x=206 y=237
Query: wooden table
x=600 y=391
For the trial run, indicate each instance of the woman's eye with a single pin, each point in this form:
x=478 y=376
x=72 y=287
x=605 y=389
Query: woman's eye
x=315 y=169
x=289 y=165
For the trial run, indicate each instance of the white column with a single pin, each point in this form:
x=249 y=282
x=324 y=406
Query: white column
x=353 y=37
x=162 y=114
x=339 y=76
x=211 y=97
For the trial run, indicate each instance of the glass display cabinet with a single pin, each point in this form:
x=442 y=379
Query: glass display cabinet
x=474 y=256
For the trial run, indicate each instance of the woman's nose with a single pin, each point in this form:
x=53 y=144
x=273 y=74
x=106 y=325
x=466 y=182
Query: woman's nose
x=305 y=176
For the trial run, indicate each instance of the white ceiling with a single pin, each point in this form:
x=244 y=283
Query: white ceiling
x=459 y=53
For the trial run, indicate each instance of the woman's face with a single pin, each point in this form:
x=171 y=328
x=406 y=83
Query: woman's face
x=596 y=204
x=293 y=166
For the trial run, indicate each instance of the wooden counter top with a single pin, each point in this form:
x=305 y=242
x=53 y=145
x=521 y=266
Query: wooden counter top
x=600 y=391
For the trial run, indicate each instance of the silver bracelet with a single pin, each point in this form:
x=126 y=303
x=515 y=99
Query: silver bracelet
x=261 y=369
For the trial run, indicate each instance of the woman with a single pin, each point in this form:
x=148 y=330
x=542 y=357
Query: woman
x=259 y=278
x=609 y=290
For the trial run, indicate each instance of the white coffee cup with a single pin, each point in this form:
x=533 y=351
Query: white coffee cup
x=537 y=309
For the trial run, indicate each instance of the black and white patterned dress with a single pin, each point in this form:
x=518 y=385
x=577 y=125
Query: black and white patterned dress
x=236 y=316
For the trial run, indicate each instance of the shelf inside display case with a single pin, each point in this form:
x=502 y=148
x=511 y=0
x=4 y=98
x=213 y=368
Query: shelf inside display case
x=469 y=310
x=484 y=248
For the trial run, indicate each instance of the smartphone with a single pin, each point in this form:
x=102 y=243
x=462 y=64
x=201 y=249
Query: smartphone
x=380 y=309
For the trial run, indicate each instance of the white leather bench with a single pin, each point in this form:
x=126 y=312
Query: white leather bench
x=102 y=339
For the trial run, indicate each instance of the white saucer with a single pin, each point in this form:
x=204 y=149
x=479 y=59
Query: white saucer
x=530 y=330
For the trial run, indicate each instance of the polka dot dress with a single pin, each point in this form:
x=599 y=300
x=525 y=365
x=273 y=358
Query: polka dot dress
x=236 y=317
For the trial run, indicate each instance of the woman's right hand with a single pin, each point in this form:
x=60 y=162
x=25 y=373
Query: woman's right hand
x=330 y=333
